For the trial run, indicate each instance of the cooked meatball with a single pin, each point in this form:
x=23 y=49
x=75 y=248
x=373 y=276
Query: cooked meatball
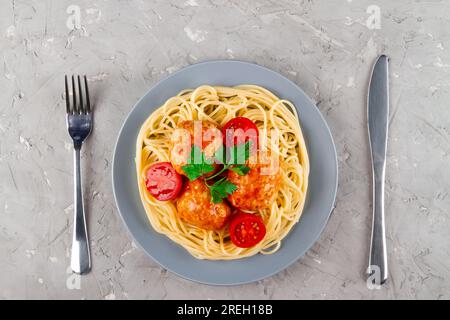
x=194 y=206
x=258 y=188
x=181 y=141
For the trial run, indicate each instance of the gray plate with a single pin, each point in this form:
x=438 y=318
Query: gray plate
x=321 y=193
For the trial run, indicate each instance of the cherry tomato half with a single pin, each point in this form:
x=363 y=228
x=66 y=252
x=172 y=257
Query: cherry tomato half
x=246 y=230
x=240 y=126
x=162 y=181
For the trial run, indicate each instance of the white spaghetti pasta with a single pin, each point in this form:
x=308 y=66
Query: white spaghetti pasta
x=219 y=105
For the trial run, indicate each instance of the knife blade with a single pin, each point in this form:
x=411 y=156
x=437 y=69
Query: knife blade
x=378 y=120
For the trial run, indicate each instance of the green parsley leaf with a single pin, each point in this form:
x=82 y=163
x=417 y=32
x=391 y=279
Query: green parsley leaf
x=221 y=189
x=240 y=153
x=197 y=165
x=194 y=171
x=215 y=197
x=240 y=169
x=220 y=155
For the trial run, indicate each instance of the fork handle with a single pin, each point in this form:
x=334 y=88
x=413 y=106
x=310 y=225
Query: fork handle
x=81 y=258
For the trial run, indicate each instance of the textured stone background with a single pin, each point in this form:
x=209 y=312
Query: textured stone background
x=127 y=46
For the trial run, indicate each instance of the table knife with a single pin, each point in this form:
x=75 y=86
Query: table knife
x=378 y=120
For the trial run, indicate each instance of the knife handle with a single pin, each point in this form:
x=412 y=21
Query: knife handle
x=378 y=254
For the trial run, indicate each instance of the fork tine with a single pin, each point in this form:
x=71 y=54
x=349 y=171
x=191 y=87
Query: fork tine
x=88 y=104
x=80 y=91
x=67 y=95
x=74 y=96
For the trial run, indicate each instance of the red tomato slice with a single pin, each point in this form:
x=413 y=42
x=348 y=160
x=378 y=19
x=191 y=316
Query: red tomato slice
x=235 y=128
x=246 y=230
x=162 y=181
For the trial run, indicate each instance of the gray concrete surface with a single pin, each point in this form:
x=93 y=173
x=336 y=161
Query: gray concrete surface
x=125 y=47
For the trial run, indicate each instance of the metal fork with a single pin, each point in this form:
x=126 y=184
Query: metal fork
x=79 y=124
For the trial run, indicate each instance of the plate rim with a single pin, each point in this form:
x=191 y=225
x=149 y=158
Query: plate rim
x=219 y=283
